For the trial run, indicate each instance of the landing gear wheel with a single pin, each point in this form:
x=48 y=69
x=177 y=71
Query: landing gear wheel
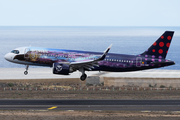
x=25 y=72
x=83 y=77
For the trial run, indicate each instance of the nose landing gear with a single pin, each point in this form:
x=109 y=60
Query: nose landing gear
x=26 y=72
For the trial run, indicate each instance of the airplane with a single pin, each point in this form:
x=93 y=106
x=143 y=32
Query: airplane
x=64 y=62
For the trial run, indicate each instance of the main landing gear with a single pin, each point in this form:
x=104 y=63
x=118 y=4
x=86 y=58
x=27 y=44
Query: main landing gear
x=26 y=72
x=83 y=76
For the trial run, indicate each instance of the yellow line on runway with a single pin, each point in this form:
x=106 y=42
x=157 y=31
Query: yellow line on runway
x=52 y=107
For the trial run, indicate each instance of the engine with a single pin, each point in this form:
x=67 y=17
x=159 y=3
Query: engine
x=62 y=69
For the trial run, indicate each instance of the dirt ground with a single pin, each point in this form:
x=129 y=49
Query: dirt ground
x=93 y=92
x=88 y=115
x=125 y=94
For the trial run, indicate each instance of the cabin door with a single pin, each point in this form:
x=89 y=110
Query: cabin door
x=26 y=53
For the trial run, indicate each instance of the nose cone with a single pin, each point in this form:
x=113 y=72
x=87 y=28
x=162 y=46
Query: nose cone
x=8 y=57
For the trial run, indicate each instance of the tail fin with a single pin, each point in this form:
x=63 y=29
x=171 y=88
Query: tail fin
x=161 y=46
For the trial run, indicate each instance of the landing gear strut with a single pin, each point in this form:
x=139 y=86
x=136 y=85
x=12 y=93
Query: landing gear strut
x=83 y=76
x=26 y=72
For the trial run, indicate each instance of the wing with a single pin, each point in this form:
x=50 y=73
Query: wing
x=90 y=64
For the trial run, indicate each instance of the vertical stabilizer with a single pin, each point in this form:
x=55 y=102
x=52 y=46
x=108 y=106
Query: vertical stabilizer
x=161 y=46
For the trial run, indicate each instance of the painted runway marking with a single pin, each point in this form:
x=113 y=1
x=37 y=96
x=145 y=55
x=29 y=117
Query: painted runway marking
x=52 y=107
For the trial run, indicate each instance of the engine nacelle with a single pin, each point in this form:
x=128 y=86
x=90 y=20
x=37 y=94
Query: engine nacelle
x=62 y=69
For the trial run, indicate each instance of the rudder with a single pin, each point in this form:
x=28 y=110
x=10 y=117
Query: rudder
x=161 y=46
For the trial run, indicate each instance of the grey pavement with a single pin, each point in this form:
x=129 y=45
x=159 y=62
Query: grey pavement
x=130 y=105
x=45 y=73
x=35 y=73
x=153 y=73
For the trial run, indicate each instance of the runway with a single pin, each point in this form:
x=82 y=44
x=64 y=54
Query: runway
x=129 y=105
x=46 y=73
x=158 y=77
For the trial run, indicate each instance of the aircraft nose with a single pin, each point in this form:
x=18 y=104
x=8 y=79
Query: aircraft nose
x=8 y=57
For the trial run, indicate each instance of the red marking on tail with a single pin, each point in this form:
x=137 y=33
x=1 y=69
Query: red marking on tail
x=154 y=44
x=169 y=37
x=162 y=37
x=168 y=44
x=160 y=51
x=161 y=44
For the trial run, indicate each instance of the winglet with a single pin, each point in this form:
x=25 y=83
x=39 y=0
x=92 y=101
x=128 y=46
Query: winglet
x=105 y=53
x=107 y=50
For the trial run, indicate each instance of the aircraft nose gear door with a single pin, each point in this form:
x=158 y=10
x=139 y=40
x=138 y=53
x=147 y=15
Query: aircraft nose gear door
x=138 y=61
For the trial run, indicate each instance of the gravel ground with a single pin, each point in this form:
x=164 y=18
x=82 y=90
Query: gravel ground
x=125 y=94
x=87 y=115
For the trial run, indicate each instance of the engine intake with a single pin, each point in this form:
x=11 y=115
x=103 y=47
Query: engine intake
x=62 y=69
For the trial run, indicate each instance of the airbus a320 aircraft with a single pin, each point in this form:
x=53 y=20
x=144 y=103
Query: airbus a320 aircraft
x=64 y=62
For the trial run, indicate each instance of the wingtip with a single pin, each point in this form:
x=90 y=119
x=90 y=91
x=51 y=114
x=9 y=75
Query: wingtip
x=110 y=46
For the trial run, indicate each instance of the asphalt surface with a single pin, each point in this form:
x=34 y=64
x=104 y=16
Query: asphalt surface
x=130 y=105
x=89 y=102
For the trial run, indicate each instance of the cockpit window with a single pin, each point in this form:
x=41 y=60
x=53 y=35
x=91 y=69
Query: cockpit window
x=15 y=51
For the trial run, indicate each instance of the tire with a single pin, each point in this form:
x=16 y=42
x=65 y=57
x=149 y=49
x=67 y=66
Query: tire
x=83 y=77
x=25 y=72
